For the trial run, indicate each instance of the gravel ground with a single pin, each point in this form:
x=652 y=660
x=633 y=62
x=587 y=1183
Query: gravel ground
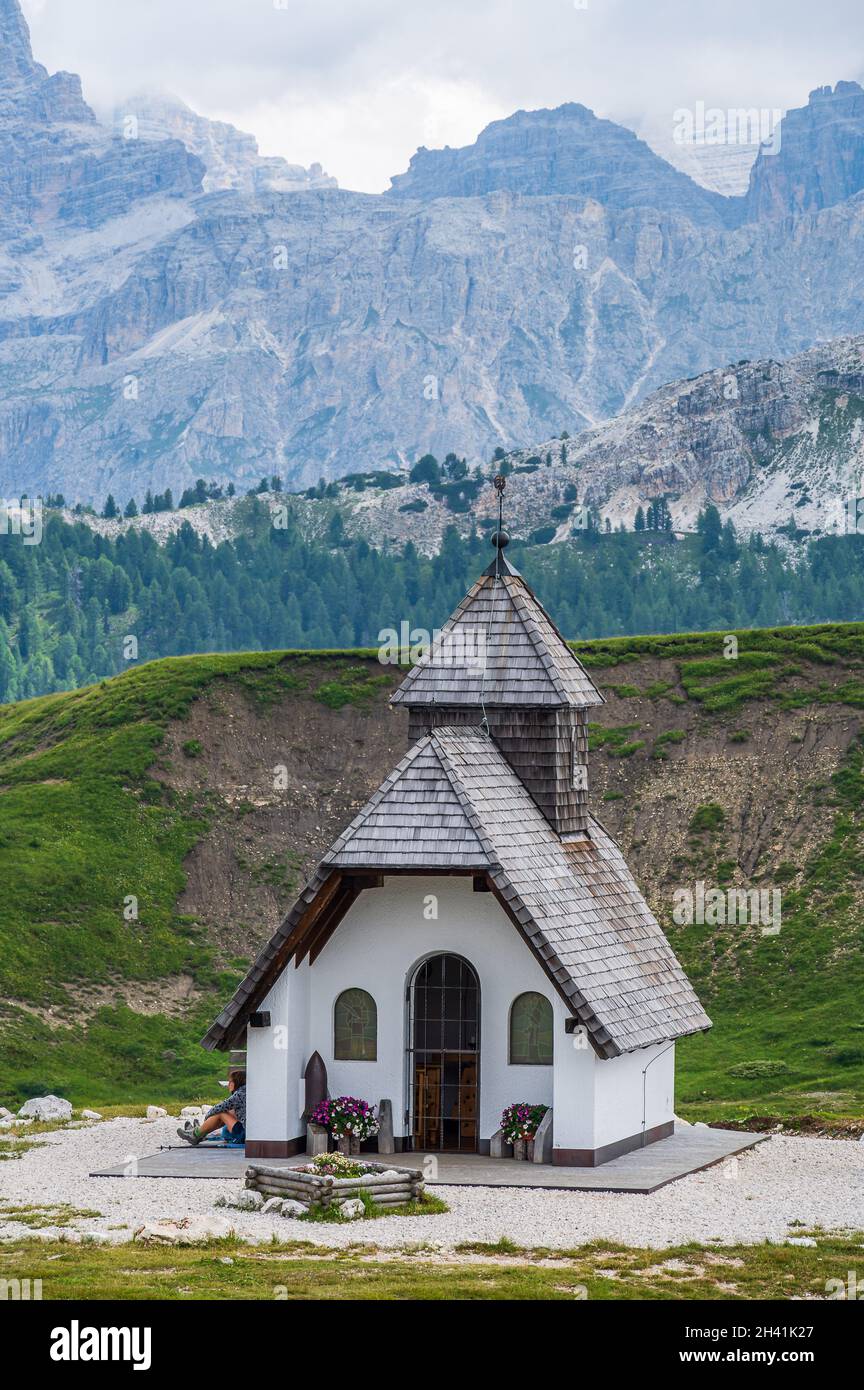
x=817 y=1182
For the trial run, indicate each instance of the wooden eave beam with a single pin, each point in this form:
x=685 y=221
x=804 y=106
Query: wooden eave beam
x=327 y=920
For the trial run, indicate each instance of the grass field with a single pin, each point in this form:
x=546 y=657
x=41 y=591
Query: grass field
x=787 y=1010
x=83 y=830
x=227 y=1270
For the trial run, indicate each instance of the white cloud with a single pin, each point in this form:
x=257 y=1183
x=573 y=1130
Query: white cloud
x=353 y=138
x=359 y=84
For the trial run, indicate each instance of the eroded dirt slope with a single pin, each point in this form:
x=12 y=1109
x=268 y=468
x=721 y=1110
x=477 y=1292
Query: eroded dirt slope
x=283 y=778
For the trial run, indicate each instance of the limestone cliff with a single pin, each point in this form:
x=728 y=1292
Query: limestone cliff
x=546 y=279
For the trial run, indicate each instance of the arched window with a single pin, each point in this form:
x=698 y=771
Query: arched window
x=531 y=1031
x=355 y=1027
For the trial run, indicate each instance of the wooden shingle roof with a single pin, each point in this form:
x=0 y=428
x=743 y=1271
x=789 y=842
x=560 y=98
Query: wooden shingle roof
x=414 y=819
x=500 y=647
x=578 y=904
x=455 y=802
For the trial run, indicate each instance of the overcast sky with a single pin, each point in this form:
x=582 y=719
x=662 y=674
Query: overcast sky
x=359 y=84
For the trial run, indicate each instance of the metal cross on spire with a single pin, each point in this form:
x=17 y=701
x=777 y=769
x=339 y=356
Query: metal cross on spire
x=500 y=538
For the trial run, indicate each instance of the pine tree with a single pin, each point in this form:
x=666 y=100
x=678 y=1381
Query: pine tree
x=709 y=527
x=426 y=470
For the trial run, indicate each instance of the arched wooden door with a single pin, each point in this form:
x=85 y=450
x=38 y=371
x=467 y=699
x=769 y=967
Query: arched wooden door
x=444 y=1056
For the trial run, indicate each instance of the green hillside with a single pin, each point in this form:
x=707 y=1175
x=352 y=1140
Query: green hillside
x=156 y=785
x=83 y=827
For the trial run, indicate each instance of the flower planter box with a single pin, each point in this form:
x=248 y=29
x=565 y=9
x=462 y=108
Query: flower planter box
x=349 y=1116
x=387 y=1186
x=535 y=1150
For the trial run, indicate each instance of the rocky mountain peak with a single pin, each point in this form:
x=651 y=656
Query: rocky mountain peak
x=818 y=160
x=565 y=150
x=16 y=54
x=58 y=168
x=230 y=156
x=27 y=93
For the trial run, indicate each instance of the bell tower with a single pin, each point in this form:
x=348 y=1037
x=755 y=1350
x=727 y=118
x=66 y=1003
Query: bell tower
x=500 y=663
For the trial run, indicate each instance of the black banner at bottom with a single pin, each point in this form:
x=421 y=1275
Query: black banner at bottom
x=149 y=1337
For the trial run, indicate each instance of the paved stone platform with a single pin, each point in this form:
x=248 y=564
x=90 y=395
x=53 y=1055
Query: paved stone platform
x=644 y=1170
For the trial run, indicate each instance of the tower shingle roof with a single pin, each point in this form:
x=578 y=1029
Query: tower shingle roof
x=500 y=647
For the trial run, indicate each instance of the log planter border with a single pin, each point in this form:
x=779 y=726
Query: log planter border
x=386 y=1185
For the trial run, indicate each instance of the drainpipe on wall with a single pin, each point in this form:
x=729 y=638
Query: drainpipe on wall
x=644 y=1086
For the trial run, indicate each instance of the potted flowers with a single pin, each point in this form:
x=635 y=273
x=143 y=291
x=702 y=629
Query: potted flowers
x=519 y=1124
x=347 y=1120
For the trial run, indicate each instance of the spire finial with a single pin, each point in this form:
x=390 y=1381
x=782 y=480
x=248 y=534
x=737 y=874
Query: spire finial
x=499 y=537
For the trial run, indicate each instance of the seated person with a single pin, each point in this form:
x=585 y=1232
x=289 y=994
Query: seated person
x=230 y=1112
